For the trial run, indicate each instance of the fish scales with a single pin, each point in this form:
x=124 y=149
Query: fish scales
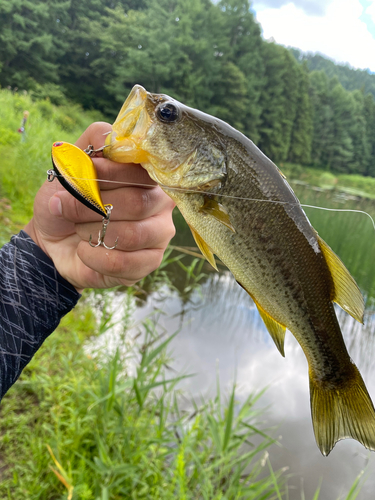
x=240 y=207
x=259 y=245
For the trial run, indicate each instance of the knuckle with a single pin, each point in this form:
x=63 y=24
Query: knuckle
x=167 y=230
x=140 y=203
x=133 y=236
x=171 y=231
x=77 y=210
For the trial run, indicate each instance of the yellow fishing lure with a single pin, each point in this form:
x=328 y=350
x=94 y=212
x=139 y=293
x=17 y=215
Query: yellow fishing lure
x=77 y=173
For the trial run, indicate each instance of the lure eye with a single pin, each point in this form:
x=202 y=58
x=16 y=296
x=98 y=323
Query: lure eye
x=168 y=112
x=57 y=144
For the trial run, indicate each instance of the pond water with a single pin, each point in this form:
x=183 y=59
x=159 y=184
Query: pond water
x=220 y=330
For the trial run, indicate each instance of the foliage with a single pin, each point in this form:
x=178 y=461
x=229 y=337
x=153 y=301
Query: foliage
x=350 y=78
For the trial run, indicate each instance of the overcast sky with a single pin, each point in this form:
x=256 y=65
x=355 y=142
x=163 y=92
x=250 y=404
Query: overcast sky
x=343 y=30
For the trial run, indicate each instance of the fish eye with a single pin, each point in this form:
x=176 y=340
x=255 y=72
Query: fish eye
x=167 y=112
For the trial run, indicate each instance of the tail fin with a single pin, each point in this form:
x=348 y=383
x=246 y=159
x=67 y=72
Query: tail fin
x=344 y=412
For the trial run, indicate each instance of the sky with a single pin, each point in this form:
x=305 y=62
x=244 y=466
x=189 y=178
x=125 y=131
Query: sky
x=343 y=30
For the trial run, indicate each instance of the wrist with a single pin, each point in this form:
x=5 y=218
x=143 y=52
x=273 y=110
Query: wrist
x=56 y=254
x=34 y=235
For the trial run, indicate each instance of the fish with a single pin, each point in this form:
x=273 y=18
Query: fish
x=211 y=171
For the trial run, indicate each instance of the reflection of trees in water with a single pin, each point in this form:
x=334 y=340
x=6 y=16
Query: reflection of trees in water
x=351 y=235
x=359 y=339
x=223 y=306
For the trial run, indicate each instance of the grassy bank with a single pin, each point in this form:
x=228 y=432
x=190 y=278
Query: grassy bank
x=356 y=185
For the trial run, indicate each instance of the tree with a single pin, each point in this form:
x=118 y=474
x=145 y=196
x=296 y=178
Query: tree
x=279 y=101
x=341 y=151
x=358 y=134
x=323 y=133
x=243 y=48
x=369 y=113
x=301 y=138
x=27 y=49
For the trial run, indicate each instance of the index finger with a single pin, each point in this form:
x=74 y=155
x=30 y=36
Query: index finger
x=95 y=134
x=116 y=175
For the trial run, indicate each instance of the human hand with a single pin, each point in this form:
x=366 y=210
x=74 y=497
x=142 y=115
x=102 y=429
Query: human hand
x=141 y=219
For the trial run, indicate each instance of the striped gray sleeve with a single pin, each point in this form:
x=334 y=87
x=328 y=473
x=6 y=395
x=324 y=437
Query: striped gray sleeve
x=33 y=299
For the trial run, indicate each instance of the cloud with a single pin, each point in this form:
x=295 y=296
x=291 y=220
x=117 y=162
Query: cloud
x=313 y=7
x=370 y=11
x=339 y=34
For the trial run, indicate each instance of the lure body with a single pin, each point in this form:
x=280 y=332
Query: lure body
x=77 y=173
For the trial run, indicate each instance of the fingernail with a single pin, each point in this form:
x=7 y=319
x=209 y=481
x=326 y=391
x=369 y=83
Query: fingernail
x=55 y=207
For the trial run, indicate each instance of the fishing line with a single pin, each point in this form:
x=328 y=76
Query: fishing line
x=244 y=198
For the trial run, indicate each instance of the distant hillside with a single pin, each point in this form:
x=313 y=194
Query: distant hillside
x=350 y=78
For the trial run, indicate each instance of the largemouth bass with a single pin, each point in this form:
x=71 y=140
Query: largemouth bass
x=211 y=171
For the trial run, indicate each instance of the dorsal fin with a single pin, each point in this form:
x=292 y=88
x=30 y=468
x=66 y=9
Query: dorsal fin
x=275 y=329
x=204 y=248
x=346 y=292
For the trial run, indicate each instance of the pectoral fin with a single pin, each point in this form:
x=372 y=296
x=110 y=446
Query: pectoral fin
x=204 y=248
x=346 y=292
x=217 y=210
x=275 y=329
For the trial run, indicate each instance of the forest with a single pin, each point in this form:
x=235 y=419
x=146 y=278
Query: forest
x=298 y=108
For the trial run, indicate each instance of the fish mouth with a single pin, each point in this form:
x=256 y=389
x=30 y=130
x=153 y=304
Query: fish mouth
x=129 y=130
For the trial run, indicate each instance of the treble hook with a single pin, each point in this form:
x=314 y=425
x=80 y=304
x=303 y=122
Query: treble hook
x=90 y=151
x=102 y=232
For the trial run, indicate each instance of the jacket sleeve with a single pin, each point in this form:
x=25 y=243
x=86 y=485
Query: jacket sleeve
x=33 y=299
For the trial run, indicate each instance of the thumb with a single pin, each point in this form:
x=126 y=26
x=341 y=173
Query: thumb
x=54 y=205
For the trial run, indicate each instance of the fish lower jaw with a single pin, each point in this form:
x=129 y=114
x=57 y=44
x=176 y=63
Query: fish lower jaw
x=126 y=152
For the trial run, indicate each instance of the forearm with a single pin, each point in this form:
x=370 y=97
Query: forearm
x=33 y=299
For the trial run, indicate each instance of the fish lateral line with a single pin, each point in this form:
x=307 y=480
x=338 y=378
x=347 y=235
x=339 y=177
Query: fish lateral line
x=244 y=198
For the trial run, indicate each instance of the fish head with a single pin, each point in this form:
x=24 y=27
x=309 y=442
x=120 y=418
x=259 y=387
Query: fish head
x=177 y=145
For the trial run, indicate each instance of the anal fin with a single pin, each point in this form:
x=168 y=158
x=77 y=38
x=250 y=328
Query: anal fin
x=204 y=248
x=346 y=292
x=275 y=329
